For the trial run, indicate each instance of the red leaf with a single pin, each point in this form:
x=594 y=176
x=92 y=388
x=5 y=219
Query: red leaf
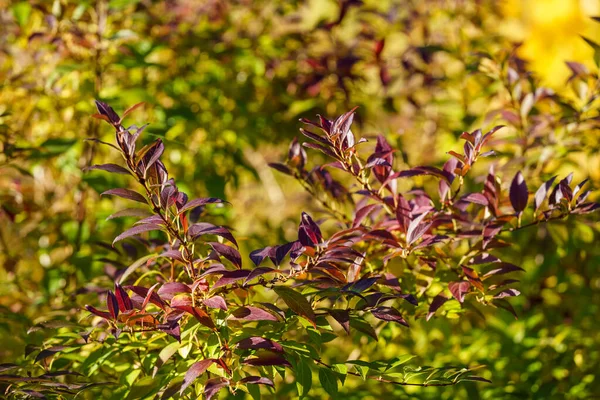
x=97 y=312
x=112 y=304
x=123 y=299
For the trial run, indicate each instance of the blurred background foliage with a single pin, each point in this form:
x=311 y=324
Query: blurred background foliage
x=224 y=85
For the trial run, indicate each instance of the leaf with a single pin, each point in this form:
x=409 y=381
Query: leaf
x=216 y=302
x=112 y=304
x=266 y=358
x=133 y=267
x=255 y=342
x=130 y=212
x=303 y=378
x=458 y=289
x=297 y=303
x=363 y=326
x=123 y=299
x=195 y=371
x=126 y=194
x=309 y=233
x=97 y=312
x=231 y=277
x=542 y=192
x=257 y=380
x=502 y=268
x=342 y=317
x=416 y=229
x=329 y=382
x=136 y=230
x=476 y=198
x=228 y=252
x=49 y=352
x=518 y=193
x=109 y=168
x=105 y=109
x=250 y=313
x=389 y=314
x=165 y=354
x=204 y=228
x=130 y=109
x=157 y=151
x=199 y=202
x=256 y=272
x=21 y=11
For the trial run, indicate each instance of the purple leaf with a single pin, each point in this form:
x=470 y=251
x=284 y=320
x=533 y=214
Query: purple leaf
x=507 y=293
x=195 y=371
x=255 y=342
x=216 y=302
x=157 y=151
x=437 y=302
x=97 y=312
x=249 y=313
x=257 y=256
x=117 y=169
x=228 y=252
x=123 y=299
x=256 y=272
x=416 y=229
x=261 y=380
x=518 y=193
x=459 y=289
x=426 y=170
x=136 y=230
x=503 y=268
x=266 y=358
x=342 y=317
x=143 y=292
x=170 y=289
x=126 y=194
x=112 y=304
x=476 y=198
x=130 y=212
x=230 y=277
x=105 y=109
x=199 y=202
x=213 y=386
x=309 y=233
x=281 y=168
x=204 y=228
x=363 y=213
x=542 y=192
x=389 y=314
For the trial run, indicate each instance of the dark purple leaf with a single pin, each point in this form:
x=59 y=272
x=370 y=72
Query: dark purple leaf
x=281 y=168
x=389 y=314
x=261 y=380
x=437 y=302
x=126 y=194
x=228 y=252
x=255 y=342
x=503 y=268
x=204 y=228
x=282 y=250
x=256 y=272
x=518 y=193
x=97 y=312
x=476 y=198
x=342 y=317
x=157 y=151
x=249 y=313
x=112 y=304
x=257 y=256
x=199 y=202
x=108 y=167
x=266 y=358
x=105 y=109
x=143 y=292
x=426 y=170
x=363 y=213
x=230 y=277
x=309 y=233
x=213 y=386
x=49 y=352
x=459 y=289
x=136 y=230
x=195 y=371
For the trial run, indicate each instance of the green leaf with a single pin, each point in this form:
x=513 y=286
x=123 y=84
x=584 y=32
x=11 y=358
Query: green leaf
x=21 y=11
x=164 y=356
x=303 y=378
x=297 y=303
x=342 y=370
x=397 y=361
x=328 y=382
